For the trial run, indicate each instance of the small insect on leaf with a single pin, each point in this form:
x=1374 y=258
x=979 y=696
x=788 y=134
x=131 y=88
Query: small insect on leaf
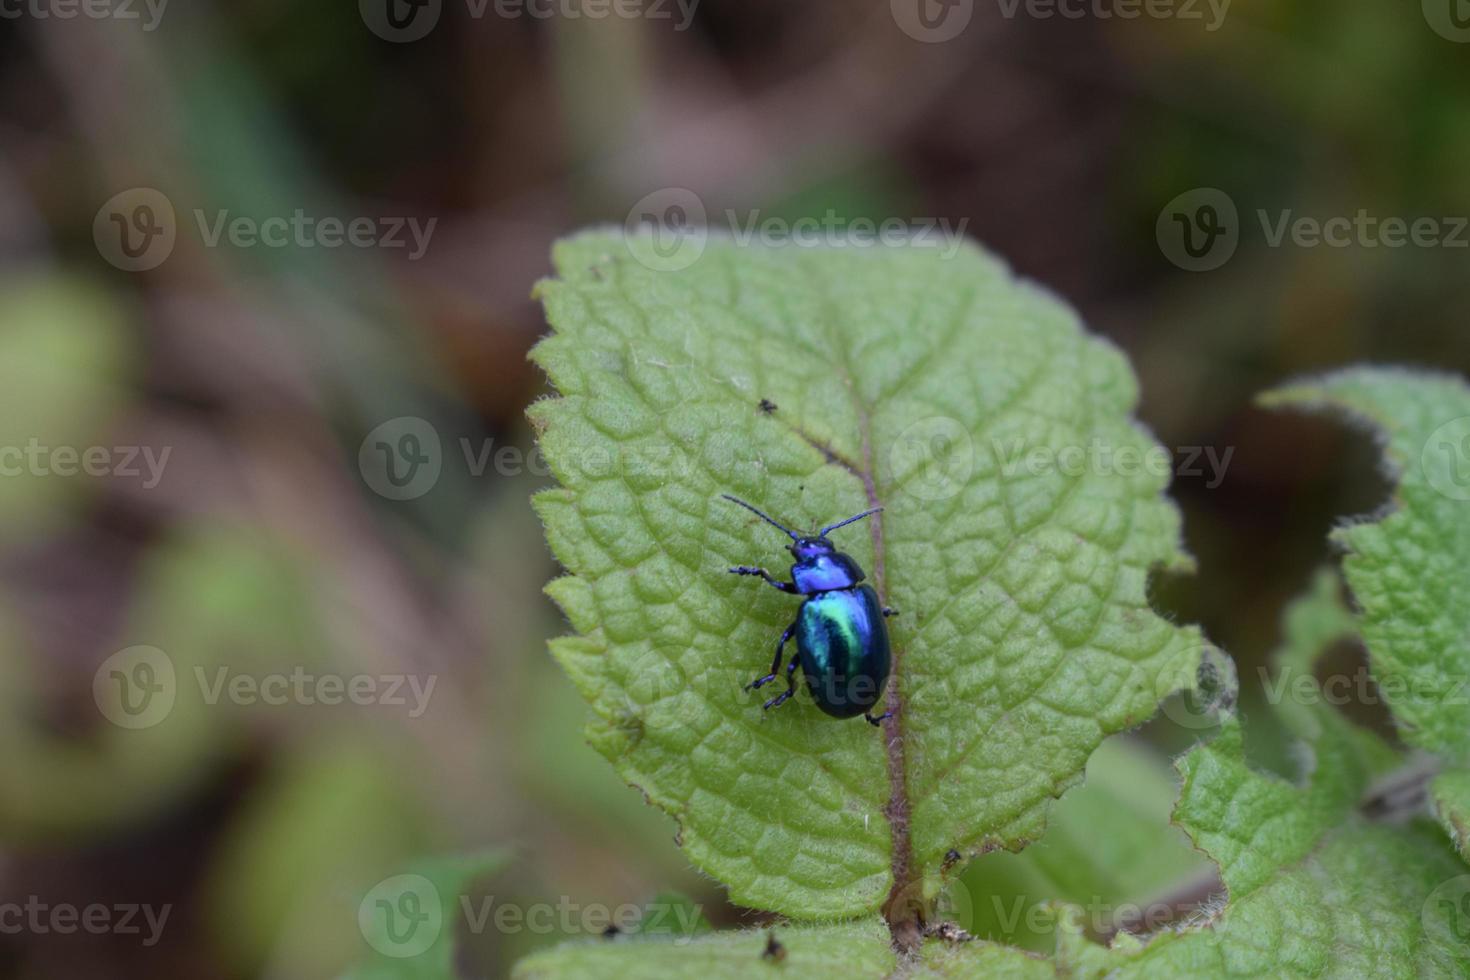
x=774 y=951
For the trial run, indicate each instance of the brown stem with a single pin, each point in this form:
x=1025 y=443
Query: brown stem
x=903 y=909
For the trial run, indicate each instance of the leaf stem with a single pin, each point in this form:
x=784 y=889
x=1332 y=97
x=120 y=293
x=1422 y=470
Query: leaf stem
x=903 y=909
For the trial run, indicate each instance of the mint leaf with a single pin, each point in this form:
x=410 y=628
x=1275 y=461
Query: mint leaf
x=1449 y=794
x=1314 y=889
x=65 y=367
x=1024 y=512
x=1108 y=843
x=1406 y=567
x=1311 y=624
x=853 y=950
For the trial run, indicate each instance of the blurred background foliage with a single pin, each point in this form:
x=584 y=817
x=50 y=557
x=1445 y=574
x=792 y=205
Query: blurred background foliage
x=262 y=370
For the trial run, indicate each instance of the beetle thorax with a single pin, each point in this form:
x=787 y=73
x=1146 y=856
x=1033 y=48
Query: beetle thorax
x=823 y=569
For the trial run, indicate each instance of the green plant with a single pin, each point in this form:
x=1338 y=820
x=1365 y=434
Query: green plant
x=1019 y=544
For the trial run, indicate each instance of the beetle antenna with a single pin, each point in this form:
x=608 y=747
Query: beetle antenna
x=768 y=520
x=857 y=517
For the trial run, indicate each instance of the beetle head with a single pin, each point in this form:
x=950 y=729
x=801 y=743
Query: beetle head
x=805 y=549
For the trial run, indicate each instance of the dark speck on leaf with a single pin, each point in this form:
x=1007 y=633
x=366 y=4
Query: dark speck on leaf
x=611 y=932
x=767 y=406
x=774 y=951
x=951 y=858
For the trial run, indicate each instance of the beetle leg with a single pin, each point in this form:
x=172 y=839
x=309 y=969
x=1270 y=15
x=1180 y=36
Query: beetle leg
x=781 y=698
x=875 y=722
x=889 y=611
x=776 y=663
x=750 y=570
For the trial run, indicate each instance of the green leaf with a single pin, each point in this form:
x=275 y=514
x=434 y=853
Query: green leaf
x=934 y=384
x=979 y=961
x=1406 y=568
x=1315 y=889
x=854 y=950
x=1109 y=842
x=65 y=369
x=275 y=892
x=1449 y=794
x=1310 y=625
x=673 y=911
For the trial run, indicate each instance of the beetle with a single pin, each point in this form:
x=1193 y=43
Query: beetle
x=840 y=629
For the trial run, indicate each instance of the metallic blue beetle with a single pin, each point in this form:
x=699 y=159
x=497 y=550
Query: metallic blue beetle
x=841 y=639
